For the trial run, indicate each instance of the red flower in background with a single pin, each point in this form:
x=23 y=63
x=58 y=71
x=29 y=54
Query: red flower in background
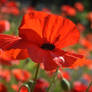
x=65 y=75
x=10 y=8
x=3 y=2
x=88 y=63
x=11 y=4
x=40 y=86
x=5 y=74
x=3 y=88
x=81 y=27
x=21 y=75
x=79 y=6
x=4 y=25
x=43 y=36
x=84 y=52
x=89 y=16
x=87 y=77
x=86 y=43
x=79 y=87
x=68 y=10
x=89 y=37
x=7 y=57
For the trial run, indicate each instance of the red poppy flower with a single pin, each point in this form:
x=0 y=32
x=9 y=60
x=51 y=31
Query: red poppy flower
x=14 y=87
x=4 y=25
x=79 y=87
x=8 y=10
x=87 y=77
x=15 y=11
x=84 y=52
x=21 y=75
x=5 y=74
x=89 y=37
x=3 y=1
x=88 y=64
x=43 y=36
x=79 y=6
x=3 y=88
x=81 y=27
x=68 y=10
x=40 y=86
x=89 y=16
x=86 y=43
x=11 y=4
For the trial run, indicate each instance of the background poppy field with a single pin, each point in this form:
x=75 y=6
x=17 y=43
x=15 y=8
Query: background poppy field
x=13 y=73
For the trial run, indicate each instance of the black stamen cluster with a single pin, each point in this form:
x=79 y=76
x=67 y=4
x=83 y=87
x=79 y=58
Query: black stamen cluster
x=48 y=46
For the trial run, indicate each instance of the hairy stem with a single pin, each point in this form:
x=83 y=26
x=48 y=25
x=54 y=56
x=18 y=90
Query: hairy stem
x=53 y=80
x=35 y=78
x=87 y=90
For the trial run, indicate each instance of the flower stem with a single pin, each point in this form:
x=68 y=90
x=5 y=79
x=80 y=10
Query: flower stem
x=53 y=80
x=89 y=86
x=35 y=78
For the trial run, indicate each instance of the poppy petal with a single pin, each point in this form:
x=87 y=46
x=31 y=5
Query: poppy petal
x=15 y=54
x=39 y=27
x=36 y=54
x=71 y=59
x=7 y=41
x=41 y=56
x=31 y=28
x=49 y=63
x=68 y=34
x=12 y=42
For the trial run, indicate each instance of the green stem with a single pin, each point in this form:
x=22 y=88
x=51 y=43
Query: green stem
x=89 y=86
x=35 y=78
x=53 y=80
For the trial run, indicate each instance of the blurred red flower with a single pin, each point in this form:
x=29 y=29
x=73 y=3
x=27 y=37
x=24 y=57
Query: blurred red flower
x=81 y=27
x=3 y=88
x=4 y=25
x=88 y=63
x=64 y=74
x=11 y=4
x=89 y=37
x=84 y=52
x=3 y=2
x=40 y=86
x=21 y=75
x=43 y=36
x=10 y=10
x=79 y=6
x=68 y=10
x=89 y=16
x=87 y=77
x=7 y=58
x=80 y=87
x=86 y=43
x=5 y=74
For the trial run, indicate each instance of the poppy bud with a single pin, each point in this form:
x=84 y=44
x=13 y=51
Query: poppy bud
x=26 y=86
x=65 y=84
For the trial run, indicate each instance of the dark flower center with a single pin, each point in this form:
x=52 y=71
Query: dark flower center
x=48 y=46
